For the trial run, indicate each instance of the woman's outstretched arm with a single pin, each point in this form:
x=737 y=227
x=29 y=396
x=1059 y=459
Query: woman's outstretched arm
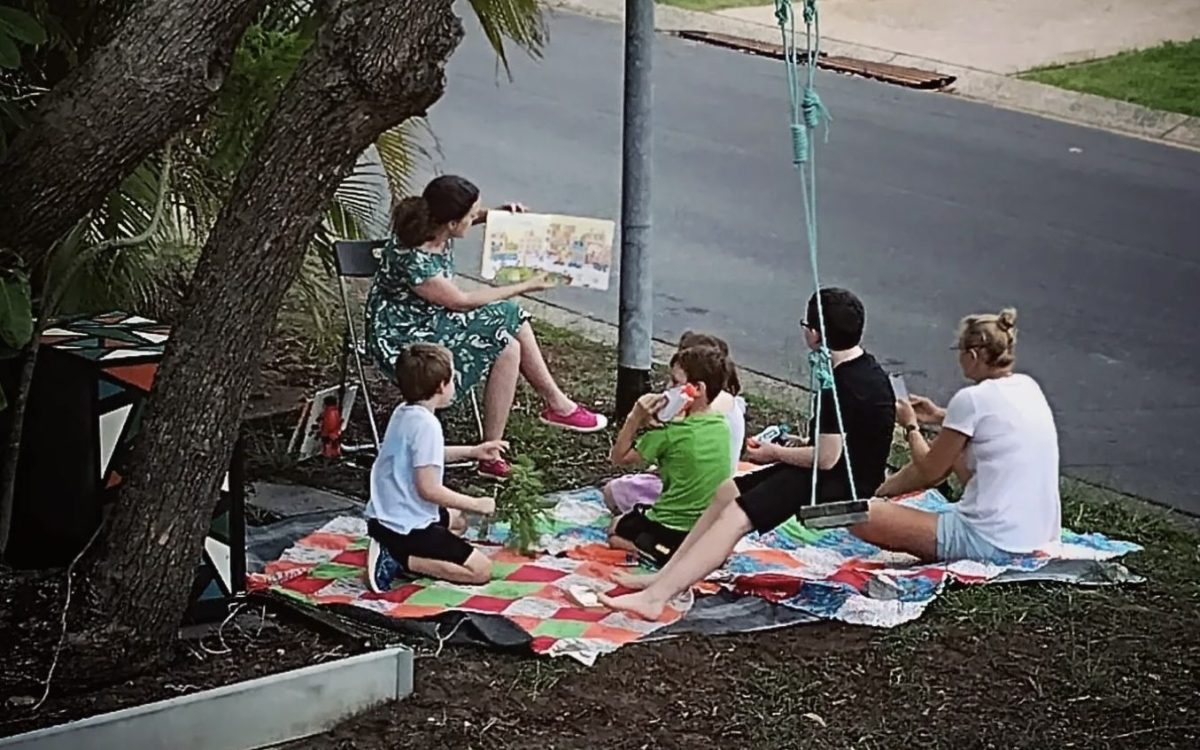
x=444 y=292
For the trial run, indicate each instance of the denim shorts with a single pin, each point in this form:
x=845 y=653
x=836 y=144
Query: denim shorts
x=958 y=540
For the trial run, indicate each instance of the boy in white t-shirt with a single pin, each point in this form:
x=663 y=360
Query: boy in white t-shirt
x=413 y=519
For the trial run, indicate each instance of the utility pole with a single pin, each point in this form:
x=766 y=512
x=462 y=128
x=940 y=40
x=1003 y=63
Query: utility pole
x=636 y=306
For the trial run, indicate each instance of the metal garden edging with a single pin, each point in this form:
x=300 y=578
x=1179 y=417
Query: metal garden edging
x=247 y=715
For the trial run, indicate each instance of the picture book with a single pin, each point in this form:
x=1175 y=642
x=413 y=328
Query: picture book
x=574 y=251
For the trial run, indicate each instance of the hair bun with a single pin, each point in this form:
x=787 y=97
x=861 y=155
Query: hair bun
x=1007 y=319
x=411 y=222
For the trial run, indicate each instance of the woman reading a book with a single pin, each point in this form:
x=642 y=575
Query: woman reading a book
x=414 y=298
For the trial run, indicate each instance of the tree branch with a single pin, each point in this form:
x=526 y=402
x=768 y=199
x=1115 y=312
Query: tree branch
x=374 y=64
x=160 y=70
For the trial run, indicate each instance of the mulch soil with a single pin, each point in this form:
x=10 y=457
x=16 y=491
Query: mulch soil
x=823 y=686
x=253 y=643
x=1028 y=666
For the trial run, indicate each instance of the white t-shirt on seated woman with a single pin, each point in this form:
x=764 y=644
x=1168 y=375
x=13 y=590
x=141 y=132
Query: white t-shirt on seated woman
x=1012 y=497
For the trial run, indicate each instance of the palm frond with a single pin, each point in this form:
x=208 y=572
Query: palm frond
x=149 y=277
x=405 y=151
x=360 y=204
x=518 y=21
x=313 y=295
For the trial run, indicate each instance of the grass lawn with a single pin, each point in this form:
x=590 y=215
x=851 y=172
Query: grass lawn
x=1012 y=666
x=1165 y=77
x=711 y=5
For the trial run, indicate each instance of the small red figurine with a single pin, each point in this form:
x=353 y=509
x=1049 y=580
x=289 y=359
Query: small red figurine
x=331 y=428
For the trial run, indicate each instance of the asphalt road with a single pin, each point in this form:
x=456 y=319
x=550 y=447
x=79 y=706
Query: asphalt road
x=931 y=207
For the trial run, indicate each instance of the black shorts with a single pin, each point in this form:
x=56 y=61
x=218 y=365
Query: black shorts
x=655 y=542
x=434 y=542
x=772 y=495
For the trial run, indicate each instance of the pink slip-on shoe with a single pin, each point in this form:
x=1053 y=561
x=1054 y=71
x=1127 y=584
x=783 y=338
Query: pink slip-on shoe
x=498 y=469
x=580 y=420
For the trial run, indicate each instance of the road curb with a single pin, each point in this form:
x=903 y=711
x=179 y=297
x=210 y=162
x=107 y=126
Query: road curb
x=984 y=86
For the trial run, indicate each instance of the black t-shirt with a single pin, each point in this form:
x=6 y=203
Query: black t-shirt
x=869 y=414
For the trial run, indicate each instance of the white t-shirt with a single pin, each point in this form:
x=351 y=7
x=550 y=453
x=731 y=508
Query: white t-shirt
x=737 y=429
x=413 y=439
x=734 y=409
x=1012 y=498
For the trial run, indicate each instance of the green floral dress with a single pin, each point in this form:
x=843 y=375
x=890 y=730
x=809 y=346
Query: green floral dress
x=398 y=316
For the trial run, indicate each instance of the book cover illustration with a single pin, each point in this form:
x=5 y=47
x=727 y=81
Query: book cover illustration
x=572 y=250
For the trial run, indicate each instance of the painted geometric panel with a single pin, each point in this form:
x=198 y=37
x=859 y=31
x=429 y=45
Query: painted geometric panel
x=111 y=425
x=107 y=388
x=112 y=354
x=218 y=555
x=81 y=343
x=120 y=334
x=107 y=363
x=139 y=376
x=110 y=336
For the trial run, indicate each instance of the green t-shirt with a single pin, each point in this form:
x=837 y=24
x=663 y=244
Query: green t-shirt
x=693 y=459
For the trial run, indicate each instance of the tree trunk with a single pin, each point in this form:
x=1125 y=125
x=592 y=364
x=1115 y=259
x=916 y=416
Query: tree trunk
x=159 y=71
x=374 y=64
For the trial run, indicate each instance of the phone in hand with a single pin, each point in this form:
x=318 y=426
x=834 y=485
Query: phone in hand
x=898 y=386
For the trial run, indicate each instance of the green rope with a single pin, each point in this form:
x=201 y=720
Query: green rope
x=807 y=114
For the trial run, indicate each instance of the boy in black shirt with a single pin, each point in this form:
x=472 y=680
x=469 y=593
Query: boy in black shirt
x=764 y=499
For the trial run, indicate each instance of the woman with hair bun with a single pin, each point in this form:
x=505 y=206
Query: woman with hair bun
x=998 y=435
x=414 y=298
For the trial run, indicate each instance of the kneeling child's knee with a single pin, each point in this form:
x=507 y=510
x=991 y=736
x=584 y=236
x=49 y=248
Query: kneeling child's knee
x=480 y=567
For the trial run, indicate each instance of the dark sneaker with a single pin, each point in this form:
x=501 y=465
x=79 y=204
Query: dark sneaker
x=382 y=568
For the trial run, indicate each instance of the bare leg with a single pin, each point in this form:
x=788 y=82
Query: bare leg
x=701 y=558
x=500 y=391
x=621 y=543
x=726 y=494
x=899 y=528
x=476 y=570
x=458 y=522
x=533 y=367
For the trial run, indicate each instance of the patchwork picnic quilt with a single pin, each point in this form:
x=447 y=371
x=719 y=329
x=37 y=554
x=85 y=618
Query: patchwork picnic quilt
x=329 y=567
x=829 y=574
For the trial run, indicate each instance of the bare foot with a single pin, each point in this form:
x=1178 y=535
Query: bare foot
x=640 y=605
x=634 y=581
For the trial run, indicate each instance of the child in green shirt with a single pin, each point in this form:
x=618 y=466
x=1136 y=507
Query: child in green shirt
x=692 y=455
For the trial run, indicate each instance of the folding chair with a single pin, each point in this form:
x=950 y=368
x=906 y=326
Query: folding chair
x=359 y=259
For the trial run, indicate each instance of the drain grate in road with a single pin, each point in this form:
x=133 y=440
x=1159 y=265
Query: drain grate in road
x=897 y=74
